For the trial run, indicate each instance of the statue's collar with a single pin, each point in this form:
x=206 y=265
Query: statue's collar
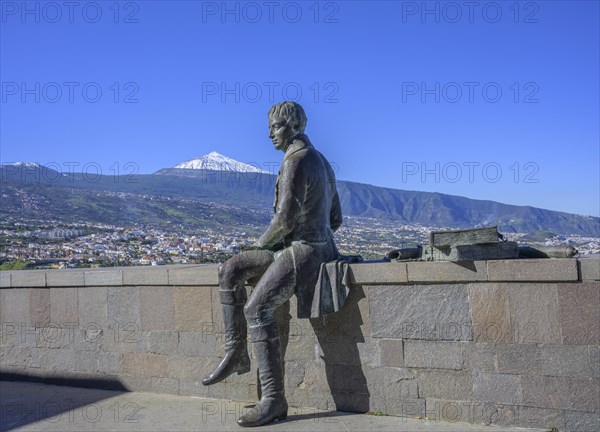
x=300 y=142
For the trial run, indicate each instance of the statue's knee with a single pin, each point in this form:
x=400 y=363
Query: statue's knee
x=258 y=314
x=225 y=273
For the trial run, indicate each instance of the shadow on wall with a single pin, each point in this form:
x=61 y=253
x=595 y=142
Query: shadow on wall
x=339 y=335
x=43 y=404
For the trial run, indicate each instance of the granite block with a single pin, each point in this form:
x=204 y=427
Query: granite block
x=103 y=277
x=65 y=278
x=138 y=276
x=156 y=308
x=64 y=309
x=497 y=388
x=28 y=279
x=39 y=306
x=145 y=365
x=447 y=272
x=430 y=312
x=197 y=275
x=378 y=273
x=193 y=307
x=490 y=310
x=433 y=354
x=573 y=394
x=392 y=352
x=533 y=270
x=445 y=384
x=579 y=312
x=534 y=313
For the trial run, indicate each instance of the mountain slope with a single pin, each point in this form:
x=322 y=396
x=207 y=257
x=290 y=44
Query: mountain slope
x=37 y=201
x=254 y=192
x=436 y=209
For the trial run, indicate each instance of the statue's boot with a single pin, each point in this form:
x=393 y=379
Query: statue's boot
x=272 y=405
x=236 y=333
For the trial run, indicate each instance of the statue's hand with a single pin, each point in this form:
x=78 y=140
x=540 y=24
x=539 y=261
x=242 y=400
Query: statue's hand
x=259 y=246
x=251 y=247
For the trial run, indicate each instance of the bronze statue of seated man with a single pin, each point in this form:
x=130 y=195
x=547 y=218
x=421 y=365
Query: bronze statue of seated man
x=285 y=260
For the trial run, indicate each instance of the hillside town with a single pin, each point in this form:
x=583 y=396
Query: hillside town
x=52 y=244
x=49 y=224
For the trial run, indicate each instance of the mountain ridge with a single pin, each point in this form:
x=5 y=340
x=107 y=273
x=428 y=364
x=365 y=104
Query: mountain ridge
x=255 y=190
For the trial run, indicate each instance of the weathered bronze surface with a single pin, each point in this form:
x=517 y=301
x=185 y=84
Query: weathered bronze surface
x=483 y=251
x=285 y=260
x=476 y=244
x=526 y=251
x=441 y=239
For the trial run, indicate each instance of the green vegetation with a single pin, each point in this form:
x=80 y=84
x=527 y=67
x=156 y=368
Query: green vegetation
x=15 y=265
x=539 y=236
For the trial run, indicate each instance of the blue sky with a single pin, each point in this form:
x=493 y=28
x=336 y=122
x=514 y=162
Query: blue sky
x=498 y=100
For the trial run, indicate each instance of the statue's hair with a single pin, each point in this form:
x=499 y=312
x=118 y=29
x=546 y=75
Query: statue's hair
x=291 y=112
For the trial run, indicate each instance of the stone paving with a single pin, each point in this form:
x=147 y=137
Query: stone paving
x=41 y=407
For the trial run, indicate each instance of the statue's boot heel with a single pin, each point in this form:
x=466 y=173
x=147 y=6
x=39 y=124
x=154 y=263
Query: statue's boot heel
x=235 y=361
x=243 y=369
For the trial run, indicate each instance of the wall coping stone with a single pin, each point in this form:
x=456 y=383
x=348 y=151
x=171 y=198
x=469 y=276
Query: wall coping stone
x=533 y=270
x=589 y=269
x=28 y=279
x=367 y=273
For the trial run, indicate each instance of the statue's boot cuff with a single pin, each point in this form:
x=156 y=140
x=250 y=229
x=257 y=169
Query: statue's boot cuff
x=236 y=358
x=233 y=297
x=261 y=333
x=272 y=405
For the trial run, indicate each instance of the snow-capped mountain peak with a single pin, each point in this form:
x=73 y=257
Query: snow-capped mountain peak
x=25 y=164
x=217 y=162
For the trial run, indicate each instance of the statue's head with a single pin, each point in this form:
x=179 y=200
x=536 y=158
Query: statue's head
x=286 y=121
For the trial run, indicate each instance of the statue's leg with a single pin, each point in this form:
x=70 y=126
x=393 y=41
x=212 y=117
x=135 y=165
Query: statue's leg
x=282 y=318
x=232 y=292
x=275 y=288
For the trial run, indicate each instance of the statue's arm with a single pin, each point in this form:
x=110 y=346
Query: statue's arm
x=289 y=206
x=335 y=219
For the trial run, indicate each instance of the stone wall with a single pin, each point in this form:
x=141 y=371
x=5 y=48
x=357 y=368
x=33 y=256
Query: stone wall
x=497 y=342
